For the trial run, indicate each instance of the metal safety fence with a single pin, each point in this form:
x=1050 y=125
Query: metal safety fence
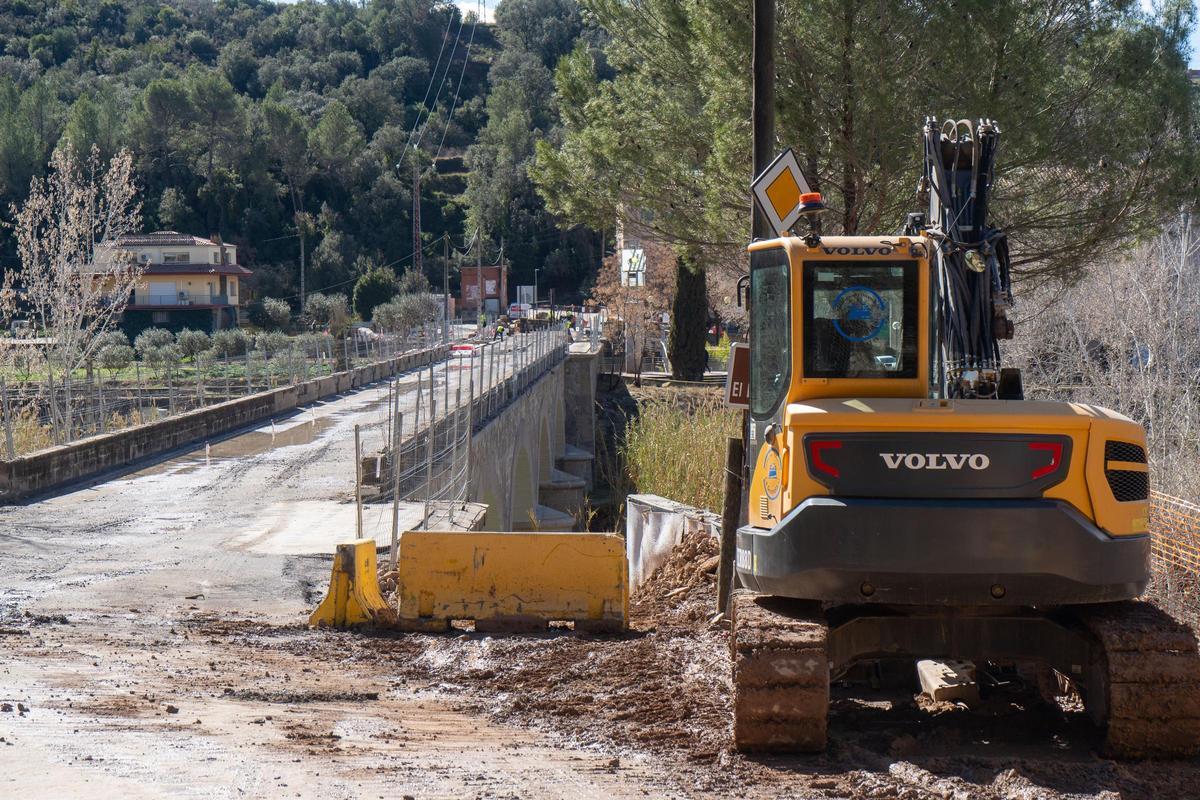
x=39 y=408
x=419 y=450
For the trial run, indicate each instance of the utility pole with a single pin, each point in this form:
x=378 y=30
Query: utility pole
x=300 y=233
x=416 y=215
x=479 y=304
x=762 y=115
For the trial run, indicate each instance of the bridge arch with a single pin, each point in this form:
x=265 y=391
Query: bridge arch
x=524 y=490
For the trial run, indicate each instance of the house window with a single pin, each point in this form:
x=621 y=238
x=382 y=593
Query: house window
x=160 y=317
x=216 y=257
x=176 y=258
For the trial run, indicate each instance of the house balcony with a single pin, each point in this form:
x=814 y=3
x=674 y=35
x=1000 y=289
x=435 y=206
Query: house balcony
x=178 y=299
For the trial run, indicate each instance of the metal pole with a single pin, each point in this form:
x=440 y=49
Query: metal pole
x=445 y=287
x=358 y=481
x=137 y=368
x=429 y=449
x=398 y=435
x=470 y=432
x=454 y=446
x=762 y=112
x=100 y=394
x=8 y=433
x=199 y=363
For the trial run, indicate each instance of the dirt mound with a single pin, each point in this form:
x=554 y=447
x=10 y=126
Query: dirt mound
x=682 y=592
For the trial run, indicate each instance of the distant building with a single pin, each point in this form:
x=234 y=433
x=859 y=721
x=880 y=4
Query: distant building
x=188 y=282
x=488 y=282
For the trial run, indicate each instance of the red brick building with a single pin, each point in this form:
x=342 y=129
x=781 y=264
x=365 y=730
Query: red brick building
x=488 y=282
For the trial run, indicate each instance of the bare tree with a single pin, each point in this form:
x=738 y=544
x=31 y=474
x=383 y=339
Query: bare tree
x=1127 y=337
x=640 y=308
x=73 y=282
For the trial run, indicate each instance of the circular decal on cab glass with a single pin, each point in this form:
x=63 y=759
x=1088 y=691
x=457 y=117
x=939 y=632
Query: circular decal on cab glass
x=859 y=313
x=772 y=473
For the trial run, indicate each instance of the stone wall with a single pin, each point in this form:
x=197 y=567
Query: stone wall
x=507 y=458
x=59 y=466
x=579 y=395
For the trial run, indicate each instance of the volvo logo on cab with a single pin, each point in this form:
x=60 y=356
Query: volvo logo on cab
x=976 y=461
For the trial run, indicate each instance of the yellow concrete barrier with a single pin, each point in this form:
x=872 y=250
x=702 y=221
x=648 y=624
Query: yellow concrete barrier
x=512 y=581
x=354 y=597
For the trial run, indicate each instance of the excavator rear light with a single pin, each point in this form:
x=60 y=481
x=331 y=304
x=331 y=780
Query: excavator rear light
x=815 y=448
x=1055 y=449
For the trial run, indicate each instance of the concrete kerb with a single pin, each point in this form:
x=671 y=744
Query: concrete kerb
x=55 y=467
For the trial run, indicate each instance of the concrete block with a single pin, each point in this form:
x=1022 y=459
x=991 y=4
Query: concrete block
x=949 y=681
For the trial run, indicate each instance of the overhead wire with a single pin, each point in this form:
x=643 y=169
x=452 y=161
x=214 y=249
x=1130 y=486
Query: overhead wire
x=432 y=78
x=446 y=74
x=458 y=89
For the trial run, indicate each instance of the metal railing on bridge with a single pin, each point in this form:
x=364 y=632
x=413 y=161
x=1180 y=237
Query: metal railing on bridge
x=426 y=434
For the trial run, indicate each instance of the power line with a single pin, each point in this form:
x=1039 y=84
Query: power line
x=445 y=75
x=432 y=78
x=461 y=75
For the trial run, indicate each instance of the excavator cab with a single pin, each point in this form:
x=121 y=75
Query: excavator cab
x=903 y=502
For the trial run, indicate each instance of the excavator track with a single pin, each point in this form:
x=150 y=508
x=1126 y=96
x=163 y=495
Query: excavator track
x=780 y=674
x=1144 y=687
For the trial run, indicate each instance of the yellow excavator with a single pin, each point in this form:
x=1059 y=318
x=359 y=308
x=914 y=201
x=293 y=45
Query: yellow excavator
x=906 y=501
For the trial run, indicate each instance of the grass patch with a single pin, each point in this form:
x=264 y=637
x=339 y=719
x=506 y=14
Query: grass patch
x=675 y=448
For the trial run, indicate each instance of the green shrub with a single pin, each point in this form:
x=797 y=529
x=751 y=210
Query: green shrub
x=163 y=356
x=115 y=356
x=193 y=343
x=720 y=350
x=152 y=339
x=271 y=342
x=230 y=342
x=111 y=338
x=278 y=311
x=373 y=289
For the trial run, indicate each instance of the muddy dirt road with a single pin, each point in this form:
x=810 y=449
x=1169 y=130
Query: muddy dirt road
x=152 y=649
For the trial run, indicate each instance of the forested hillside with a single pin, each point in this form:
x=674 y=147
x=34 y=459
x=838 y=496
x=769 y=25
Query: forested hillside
x=294 y=128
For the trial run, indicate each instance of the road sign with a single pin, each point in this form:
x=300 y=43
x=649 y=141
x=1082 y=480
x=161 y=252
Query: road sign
x=777 y=191
x=737 y=377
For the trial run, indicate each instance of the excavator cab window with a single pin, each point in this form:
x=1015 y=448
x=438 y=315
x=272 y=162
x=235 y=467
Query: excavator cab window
x=770 y=330
x=860 y=319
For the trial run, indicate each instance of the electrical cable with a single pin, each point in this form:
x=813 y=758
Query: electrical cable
x=461 y=75
x=432 y=77
x=446 y=74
